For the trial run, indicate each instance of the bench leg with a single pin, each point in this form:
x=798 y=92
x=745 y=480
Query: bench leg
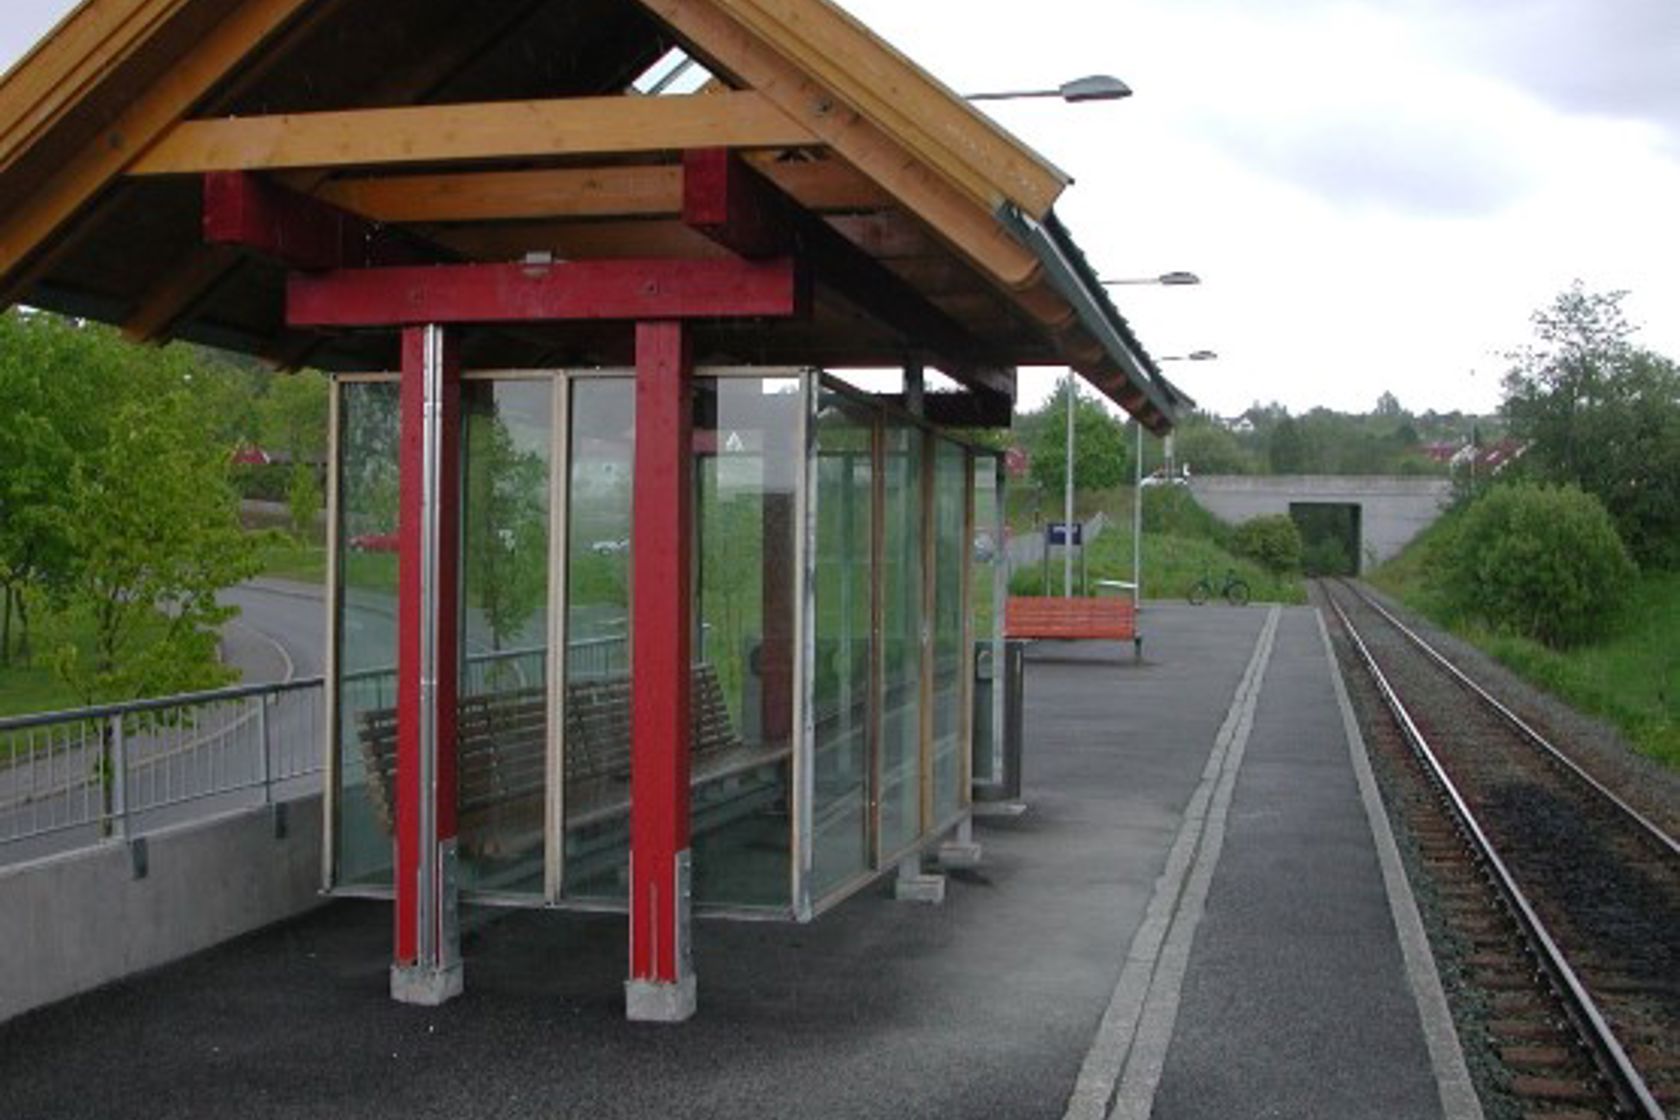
x=962 y=850
x=914 y=885
x=1137 y=648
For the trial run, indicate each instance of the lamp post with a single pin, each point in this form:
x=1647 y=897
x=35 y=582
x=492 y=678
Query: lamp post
x=1097 y=87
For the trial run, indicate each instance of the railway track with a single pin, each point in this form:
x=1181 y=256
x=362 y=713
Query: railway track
x=1561 y=901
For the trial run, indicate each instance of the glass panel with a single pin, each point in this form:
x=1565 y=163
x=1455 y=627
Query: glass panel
x=502 y=743
x=983 y=609
x=746 y=438
x=844 y=577
x=597 y=686
x=950 y=551
x=367 y=631
x=900 y=783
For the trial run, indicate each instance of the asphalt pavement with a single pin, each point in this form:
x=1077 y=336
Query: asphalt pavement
x=1015 y=998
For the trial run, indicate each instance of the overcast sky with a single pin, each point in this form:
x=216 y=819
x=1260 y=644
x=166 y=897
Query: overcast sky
x=1376 y=193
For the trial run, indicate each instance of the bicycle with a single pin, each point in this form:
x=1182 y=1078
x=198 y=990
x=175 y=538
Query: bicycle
x=1233 y=590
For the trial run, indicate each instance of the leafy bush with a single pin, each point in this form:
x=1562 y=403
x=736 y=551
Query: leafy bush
x=1544 y=562
x=1326 y=556
x=1272 y=540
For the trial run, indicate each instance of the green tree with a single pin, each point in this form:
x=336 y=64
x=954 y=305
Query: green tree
x=1541 y=561
x=1600 y=412
x=153 y=528
x=1273 y=540
x=292 y=416
x=506 y=535
x=1206 y=446
x=1100 y=460
x=303 y=500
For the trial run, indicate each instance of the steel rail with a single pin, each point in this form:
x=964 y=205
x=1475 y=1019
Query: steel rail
x=1660 y=837
x=1606 y=1049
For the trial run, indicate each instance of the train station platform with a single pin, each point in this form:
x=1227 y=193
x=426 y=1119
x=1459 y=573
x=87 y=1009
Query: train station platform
x=1199 y=914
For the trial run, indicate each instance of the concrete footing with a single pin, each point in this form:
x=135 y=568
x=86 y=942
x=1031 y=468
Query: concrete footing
x=649 y=1001
x=915 y=885
x=425 y=986
x=962 y=850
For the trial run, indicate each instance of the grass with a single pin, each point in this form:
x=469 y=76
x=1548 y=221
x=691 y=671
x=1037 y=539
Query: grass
x=1631 y=679
x=287 y=559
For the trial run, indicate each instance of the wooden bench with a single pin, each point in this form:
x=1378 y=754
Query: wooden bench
x=501 y=756
x=1059 y=619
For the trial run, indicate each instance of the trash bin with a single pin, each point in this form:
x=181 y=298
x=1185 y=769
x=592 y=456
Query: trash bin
x=1005 y=722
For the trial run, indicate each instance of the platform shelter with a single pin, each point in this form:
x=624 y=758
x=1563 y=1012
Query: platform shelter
x=636 y=602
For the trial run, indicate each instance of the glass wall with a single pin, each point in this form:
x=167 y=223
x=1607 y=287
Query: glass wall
x=596 y=749
x=986 y=569
x=950 y=565
x=748 y=458
x=897 y=582
x=899 y=782
x=502 y=752
x=844 y=571
x=366 y=632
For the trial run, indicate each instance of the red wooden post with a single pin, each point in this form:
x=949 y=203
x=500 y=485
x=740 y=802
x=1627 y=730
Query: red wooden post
x=427 y=965
x=661 y=985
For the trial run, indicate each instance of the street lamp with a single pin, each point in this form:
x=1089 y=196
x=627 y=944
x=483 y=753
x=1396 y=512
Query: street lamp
x=1097 y=87
x=1170 y=279
x=1193 y=356
x=1137 y=485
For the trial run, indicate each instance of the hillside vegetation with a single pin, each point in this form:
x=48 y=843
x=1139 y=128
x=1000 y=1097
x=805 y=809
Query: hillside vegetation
x=1182 y=542
x=1567 y=567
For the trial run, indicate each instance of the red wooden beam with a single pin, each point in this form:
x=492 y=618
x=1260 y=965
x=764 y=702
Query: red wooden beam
x=248 y=211
x=661 y=977
x=735 y=205
x=572 y=290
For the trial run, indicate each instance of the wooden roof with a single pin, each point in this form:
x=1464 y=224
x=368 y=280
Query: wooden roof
x=489 y=131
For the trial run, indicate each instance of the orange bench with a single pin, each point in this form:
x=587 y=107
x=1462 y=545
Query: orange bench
x=1061 y=619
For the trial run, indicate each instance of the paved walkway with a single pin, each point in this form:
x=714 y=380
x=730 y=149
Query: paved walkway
x=1191 y=917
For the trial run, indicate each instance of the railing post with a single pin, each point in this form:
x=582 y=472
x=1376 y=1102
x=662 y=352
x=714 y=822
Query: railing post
x=118 y=775
x=267 y=766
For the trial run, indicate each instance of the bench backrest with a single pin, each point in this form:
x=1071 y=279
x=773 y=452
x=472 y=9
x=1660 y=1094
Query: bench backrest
x=1049 y=617
x=501 y=746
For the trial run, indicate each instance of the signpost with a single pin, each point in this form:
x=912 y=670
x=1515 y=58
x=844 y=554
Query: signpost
x=1056 y=535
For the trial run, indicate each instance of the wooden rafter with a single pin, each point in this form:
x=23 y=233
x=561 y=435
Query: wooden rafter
x=740 y=42
x=579 y=126
x=198 y=276
x=824 y=186
x=30 y=222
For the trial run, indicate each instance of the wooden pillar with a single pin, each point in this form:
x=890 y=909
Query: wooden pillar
x=427 y=965
x=661 y=985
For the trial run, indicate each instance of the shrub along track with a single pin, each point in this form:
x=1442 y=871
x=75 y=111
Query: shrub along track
x=1564 y=935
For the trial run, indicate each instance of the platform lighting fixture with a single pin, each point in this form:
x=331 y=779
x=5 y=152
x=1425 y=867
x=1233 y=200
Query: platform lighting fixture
x=1193 y=356
x=1169 y=279
x=1097 y=87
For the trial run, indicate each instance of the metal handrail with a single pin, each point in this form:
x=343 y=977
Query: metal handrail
x=155 y=703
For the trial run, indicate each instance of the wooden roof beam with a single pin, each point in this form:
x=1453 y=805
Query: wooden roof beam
x=580 y=126
x=28 y=224
x=646 y=191
x=734 y=205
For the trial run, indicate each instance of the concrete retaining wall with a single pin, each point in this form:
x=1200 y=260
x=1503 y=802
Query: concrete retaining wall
x=72 y=922
x=1393 y=509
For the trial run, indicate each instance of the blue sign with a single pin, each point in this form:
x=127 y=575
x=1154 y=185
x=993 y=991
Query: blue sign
x=1056 y=533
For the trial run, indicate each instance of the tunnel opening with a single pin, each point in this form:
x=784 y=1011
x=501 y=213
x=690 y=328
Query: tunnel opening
x=1330 y=537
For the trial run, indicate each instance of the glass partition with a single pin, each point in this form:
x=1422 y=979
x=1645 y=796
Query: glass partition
x=899 y=782
x=596 y=750
x=747 y=443
x=366 y=632
x=950 y=565
x=986 y=570
x=844 y=572
x=502 y=726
